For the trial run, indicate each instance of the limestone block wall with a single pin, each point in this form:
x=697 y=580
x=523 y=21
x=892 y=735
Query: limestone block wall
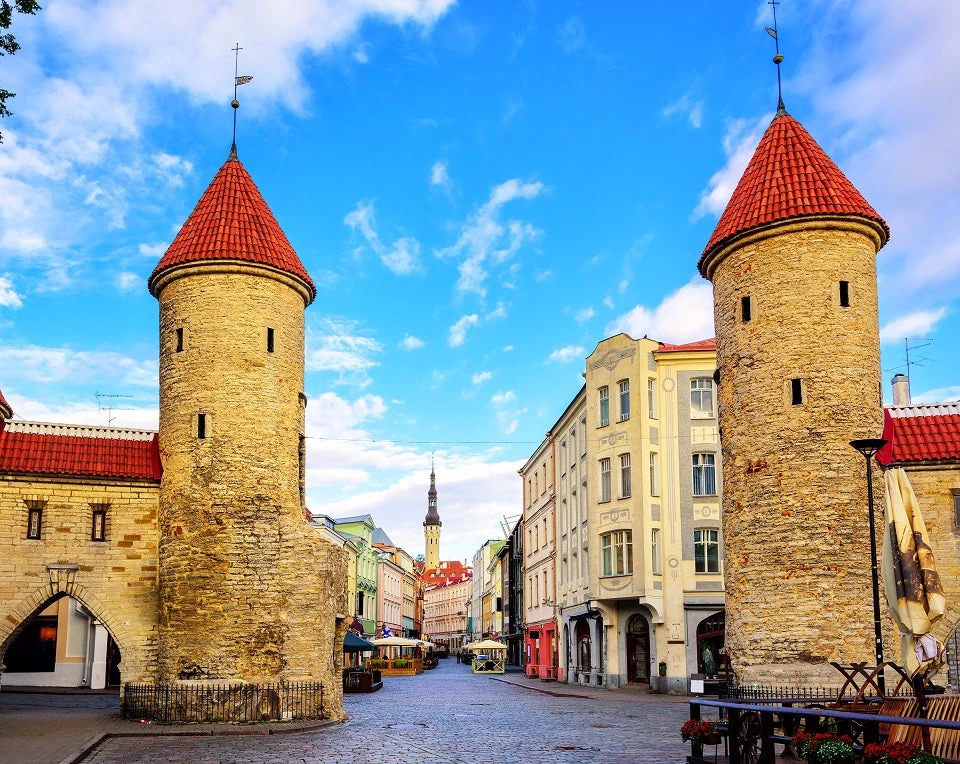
x=115 y=579
x=248 y=590
x=797 y=555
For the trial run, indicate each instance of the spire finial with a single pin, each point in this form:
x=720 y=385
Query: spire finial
x=237 y=81
x=778 y=58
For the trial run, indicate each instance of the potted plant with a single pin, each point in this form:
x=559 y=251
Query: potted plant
x=401 y=663
x=896 y=753
x=698 y=733
x=824 y=747
x=378 y=663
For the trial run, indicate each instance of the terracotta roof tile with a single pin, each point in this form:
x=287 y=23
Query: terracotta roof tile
x=789 y=176
x=31 y=450
x=921 y=433
x=666 y=347
x=233 y=222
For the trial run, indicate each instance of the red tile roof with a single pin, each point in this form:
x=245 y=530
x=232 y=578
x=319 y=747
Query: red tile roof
x=666 y=347
x=449 y=572
x=921 y=433
x=233 y=222
x=34 y=448
x=5 y=409
x=788 y=177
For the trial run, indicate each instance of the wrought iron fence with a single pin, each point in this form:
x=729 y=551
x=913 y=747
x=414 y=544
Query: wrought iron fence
x=806 y=693
x=184 y=703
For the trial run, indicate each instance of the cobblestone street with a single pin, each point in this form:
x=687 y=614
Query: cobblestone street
x=447 y=715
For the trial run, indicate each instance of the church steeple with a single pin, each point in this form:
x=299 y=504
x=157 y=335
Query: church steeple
x=431 y=525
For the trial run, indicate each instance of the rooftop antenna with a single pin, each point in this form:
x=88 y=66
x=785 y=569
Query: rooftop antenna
x=109 y=408
x=237 y=81
x=777 y=59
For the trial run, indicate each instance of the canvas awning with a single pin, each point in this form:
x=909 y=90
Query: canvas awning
x=354 y=644
x=395 y=642
x=487 y=644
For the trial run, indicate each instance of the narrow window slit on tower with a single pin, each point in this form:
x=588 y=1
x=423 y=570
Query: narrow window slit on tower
x=201 y=426
x=745 y=308
x=796 y=392
x=269 y=340
x=844 y=294
x=180 y=340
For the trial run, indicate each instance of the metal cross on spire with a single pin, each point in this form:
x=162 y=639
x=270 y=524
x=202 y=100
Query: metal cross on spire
x=777 y=59
x=237 y=81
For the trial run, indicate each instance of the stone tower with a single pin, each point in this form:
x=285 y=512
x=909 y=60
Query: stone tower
x=793 y=267
x=431 y=526
x=248 y=591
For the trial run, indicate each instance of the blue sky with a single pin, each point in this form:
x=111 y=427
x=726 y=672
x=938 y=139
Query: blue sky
x=481 y=190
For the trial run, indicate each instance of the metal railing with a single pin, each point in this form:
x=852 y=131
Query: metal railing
x=183 y=703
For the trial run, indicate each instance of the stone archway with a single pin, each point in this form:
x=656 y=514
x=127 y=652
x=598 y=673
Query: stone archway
x=62 y=585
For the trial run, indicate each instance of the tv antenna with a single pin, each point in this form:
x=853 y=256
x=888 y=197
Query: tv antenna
x=507 y=523
x=109 y=407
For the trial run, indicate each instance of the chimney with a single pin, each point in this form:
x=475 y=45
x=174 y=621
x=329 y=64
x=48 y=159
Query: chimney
x=901 y=390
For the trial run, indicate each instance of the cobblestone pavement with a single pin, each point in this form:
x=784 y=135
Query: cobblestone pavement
x=450 y=715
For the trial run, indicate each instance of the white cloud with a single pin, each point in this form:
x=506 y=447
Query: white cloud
x=571 y=35
x=33 y=363
x=498 y=313
x=403 y=258
x=501 y=399
x=338 y=346
x=127 y=281
x=439 y=175
x=458 y=332
x=508 y=348
x=739 y=143
x=507 y=411
x=918 y=324
x=484 y=238
x=153 y=251
x=567 y=354
x=410 y=342
x=584 y=315
x=361 y=54
x=609 y=303
x=481 y=376
x=684 y=315
x=8 y=295
x=514 y=106
x=693 y=109
x=938 y=395
x=80 y=412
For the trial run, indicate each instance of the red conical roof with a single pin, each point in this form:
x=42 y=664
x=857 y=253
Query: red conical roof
x=789 y=176
x=232 y=222
x=5 y=410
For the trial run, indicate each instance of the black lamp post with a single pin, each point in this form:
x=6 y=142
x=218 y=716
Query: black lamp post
x=869 y=447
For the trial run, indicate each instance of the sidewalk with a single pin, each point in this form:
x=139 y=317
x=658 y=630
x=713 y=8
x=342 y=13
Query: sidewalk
x=63 y=727
x=560 y=690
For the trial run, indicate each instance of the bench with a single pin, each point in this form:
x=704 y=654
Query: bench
x=944 y=743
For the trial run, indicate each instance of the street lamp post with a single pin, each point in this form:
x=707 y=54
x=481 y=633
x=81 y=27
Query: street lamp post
x=869 y=447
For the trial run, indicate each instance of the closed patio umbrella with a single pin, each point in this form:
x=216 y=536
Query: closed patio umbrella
x=911 y=582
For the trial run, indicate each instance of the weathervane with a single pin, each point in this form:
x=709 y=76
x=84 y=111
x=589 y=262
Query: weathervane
x=777 y=59
x=237 y=81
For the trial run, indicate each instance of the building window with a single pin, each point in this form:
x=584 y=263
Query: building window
x=655 y=551
x=745 y=308
x=701 y=398
x=98 y=530
x=654 y=474
x=706 y=550
x=201 y=426
x=704 y=475
x=624 y=400
x=956 y=506
x=605 y=479
x=34 y=519
x=269 y=340
x=624 y=476
x=796 y=392
x=652 y=397
x=583 y=437
x=180 y=340
x=617 y=553
x=844 y=294
x=604 y=406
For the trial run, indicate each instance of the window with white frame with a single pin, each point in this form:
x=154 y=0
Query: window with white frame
x=654 y=474
x=652 y=398
x=624 y=476
x=706 y=550
x=701 y=398
x=605 y=479
x=604 y=406
x=704 y=475
x=624 y=386
x=616 y=550
x=655 y=551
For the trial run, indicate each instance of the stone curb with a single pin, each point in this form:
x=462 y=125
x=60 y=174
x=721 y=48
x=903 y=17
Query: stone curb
x=543 y=691
x=83 y=751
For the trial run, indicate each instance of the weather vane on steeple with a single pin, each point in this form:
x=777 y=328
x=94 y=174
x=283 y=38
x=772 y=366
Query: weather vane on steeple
x=237 y=81
x=777 y=59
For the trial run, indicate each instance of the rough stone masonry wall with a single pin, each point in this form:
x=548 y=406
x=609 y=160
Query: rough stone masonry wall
x=248 y=590
x=797 y=555
x=116 y=579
